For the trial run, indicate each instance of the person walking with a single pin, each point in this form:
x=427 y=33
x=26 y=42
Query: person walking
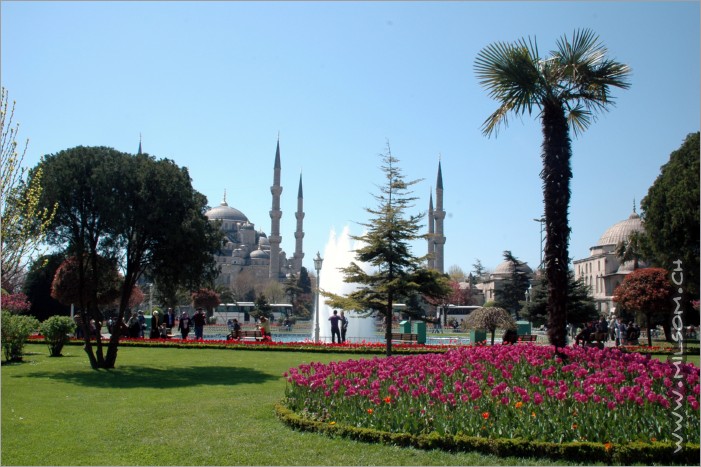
x=335 y=330
x=344 y=326
x=184 y=325
x=199 y=319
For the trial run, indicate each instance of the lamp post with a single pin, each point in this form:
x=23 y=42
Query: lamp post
x=317 y=265
x=542 y=223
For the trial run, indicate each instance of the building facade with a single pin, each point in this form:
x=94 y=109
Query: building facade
x=602 y=271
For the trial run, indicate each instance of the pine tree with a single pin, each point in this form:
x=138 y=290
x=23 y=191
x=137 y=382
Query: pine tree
x=396 y=273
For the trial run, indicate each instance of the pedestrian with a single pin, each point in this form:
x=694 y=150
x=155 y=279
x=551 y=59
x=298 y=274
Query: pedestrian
x=169 y=320
x=344 y=326
x=155 y=324
x=199 y=319
x=142 y=322
x=335 y=331
x=184 y=325
x=134 y=325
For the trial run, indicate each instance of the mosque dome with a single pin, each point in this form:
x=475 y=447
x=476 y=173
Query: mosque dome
x=225 y=212
x=507 y=268
x=260 y=254
x=622 y=230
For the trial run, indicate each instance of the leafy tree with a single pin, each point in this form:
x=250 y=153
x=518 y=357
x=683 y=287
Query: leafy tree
x=567 y=88
x=460 y=296
x=65 y=289
x=511 y=295
x=207 y=299
x=37 y=286
x=671 y=219
x=397 y=273
x=138 y=209
x=456 y=273
x=23 y=221
x=274 y=290
x=490 y=319
x=580 y=304
x=649 y=292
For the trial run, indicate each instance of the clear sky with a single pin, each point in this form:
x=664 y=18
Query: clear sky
x=211 y=85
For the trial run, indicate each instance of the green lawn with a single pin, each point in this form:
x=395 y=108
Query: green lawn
x=176 y=407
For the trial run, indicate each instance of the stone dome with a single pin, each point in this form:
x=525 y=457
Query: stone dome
x=507 y=268
x=225 y=212
x=622 y=230
x=260 y=254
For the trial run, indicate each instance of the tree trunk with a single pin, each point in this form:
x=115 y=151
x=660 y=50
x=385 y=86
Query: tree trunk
x=556 y=175
x=388 y=331
x=649 y=331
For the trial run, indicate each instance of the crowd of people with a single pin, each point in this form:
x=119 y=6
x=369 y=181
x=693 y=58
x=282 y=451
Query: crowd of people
x=601 y=331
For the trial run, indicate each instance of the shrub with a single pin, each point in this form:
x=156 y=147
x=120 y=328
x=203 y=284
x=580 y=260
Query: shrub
x=56 y=332
x=15 y=330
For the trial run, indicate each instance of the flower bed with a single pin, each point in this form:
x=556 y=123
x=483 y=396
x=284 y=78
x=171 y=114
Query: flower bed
x=369 y=348
x=522 y=392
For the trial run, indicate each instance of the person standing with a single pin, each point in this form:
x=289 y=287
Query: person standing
x=169 y=320
x=344 y=326
x=155 y=323
x=199 y=319
x=335 y=330
x=184 y=325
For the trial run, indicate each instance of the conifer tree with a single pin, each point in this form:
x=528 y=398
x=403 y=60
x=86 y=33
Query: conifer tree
x=396 y=274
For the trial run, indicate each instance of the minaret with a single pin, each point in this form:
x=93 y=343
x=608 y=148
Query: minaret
x=139 y=153
x=439 y=215
x=275 y=215
x=431 y=245
x=299 y=233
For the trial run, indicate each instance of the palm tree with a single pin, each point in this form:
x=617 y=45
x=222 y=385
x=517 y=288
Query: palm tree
x=568 y=88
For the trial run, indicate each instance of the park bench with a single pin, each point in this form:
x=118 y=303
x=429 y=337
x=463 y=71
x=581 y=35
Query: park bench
x=528 y=338
x=405 y=337
x=253 y=334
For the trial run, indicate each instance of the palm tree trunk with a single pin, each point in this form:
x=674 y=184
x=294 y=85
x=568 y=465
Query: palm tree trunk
x=556 y=176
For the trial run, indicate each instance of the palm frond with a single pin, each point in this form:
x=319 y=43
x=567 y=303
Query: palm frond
x=510 y=74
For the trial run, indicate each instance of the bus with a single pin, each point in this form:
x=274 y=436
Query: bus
x=242 y=311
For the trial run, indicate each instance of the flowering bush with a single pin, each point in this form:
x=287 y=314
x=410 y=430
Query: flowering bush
x=524 y=391
x=16 y=303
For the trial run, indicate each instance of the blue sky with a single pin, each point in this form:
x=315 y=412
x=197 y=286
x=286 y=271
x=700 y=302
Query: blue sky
x=211 y=85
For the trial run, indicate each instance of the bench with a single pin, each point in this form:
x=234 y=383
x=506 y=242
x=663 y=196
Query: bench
x=253 y=334
x=405 y=337
x=528 y=338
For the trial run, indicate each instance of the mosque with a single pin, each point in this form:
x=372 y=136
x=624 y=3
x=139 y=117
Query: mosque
x=602 y=271
x=257 y=257
x=253 y=254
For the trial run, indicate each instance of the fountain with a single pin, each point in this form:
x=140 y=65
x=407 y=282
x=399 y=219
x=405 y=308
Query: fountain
x=338 y=254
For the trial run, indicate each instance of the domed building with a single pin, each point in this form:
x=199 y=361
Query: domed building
x=252 y=254
x=602 y=271
x=501 y=273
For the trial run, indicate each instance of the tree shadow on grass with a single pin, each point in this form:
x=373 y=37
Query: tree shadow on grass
x=146 y=377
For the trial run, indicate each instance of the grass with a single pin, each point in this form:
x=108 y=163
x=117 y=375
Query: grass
x=176 y=407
